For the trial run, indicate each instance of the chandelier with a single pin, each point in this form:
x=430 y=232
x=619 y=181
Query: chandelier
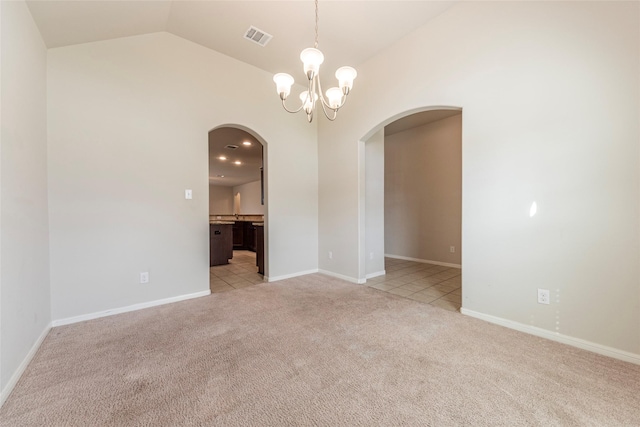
x=336 y=96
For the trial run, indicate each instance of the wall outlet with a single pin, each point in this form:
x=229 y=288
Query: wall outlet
x=371 y=255
x=330 y=255
x=543 y=296
x=452 y=249
x=144 y=277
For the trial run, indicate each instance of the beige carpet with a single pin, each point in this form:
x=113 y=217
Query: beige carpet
x=314 y=351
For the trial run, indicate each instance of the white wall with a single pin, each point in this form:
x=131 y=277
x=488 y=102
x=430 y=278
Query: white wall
x=250 y=198
x=423 y=192
x=24 y=242
x=549 y=92
x=374 y=204
x=128 y=132
x=220 y=200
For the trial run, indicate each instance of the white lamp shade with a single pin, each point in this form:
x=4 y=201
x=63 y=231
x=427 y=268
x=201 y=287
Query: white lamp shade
x=334 y=95
x=311 y=59
x=345 y=76
x=283 y=83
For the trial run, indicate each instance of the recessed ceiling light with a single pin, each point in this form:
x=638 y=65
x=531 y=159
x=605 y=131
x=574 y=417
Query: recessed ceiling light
x=222 y=158
x=247 y=143
x=237 y=162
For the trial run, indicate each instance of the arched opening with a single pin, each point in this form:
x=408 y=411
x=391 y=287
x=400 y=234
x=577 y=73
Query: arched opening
x=411 y=206
x=238 y=220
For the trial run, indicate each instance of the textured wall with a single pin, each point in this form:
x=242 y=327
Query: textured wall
x=24 y=229
x=423 y=192
x=128 y=133
x=220 y=199
x=549 y=92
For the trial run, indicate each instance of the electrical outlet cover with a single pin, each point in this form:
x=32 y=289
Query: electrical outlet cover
x=544 y=297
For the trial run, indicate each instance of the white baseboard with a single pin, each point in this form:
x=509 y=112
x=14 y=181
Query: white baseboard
x=289 y=276
x=376 y=274
x=23 y=366
x=343 y=277
x=90 y=316
x=564 y=339
x=424 y=261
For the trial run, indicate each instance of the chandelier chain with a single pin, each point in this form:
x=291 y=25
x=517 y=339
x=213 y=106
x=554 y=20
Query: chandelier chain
x=316 y=41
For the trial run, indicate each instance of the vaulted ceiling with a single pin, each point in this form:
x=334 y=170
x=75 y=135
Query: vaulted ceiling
x=350 y=32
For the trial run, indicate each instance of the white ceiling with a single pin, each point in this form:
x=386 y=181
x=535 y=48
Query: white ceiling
x=225 y=172
x=418 y=119
x=350 y=32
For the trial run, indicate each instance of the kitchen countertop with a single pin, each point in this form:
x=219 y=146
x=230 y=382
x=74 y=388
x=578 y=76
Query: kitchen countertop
x=239 y=217
x=218 y=222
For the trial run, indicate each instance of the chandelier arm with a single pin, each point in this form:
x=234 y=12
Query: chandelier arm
x=325 y=104
x=312 y=88
x=290 y=111
x=324 y=110
x=342 y=102
x=323 y=101
x=331 y=118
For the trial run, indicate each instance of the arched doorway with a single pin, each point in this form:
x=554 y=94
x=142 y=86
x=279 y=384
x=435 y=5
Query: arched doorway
x=237 y=207
x=411 y=212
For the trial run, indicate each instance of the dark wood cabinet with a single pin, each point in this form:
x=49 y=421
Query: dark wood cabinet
x=220 y=244
x=238 y=235
x=250 y=237
x=244 y=236
x=259 y=235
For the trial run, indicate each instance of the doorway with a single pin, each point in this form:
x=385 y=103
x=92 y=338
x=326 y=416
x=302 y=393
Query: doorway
x=412 y=216
x=237 y=200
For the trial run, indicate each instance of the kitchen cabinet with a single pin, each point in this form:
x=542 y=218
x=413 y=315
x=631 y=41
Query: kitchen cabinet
x=244 y=236
x=250 y=237
x=259 y=235
x=238 y=235
x=220 y=244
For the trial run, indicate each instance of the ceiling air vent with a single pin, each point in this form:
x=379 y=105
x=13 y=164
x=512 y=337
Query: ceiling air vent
x=257 y=36
x=231 y=147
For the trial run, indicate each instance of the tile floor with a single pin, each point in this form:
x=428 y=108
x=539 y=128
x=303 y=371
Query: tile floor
x=427 y=283
x=239 y=273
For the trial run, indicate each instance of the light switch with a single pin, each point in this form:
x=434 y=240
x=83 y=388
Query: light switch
x=188 y=194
